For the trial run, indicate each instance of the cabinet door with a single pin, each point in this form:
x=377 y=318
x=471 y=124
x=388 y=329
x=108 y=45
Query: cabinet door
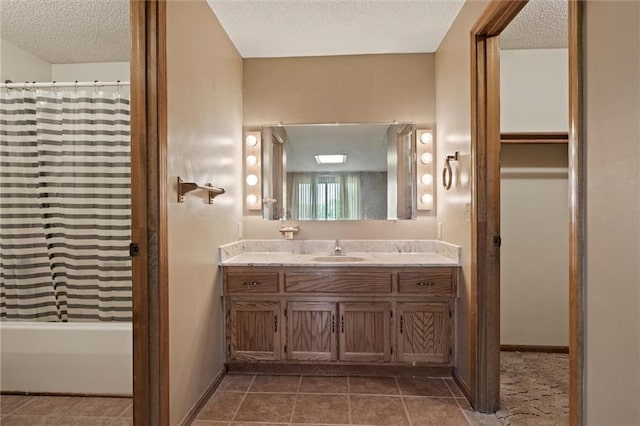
x=254 y=331
x=423 y=332
x=311 y=331
x=364 y=332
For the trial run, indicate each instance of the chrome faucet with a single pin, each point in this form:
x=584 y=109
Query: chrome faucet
x=337 y=250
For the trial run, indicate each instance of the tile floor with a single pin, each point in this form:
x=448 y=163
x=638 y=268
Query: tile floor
x=304 y=400
x=24 y=410
x=533 y=393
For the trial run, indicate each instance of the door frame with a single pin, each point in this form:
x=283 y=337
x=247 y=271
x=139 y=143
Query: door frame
x=149 y=213
x=485 y=160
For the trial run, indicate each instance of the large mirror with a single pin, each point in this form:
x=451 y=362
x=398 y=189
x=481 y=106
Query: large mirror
x=338 y=171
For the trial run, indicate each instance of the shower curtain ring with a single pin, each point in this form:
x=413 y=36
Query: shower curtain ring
x=95 y=87
x=75 y=87
x=118 y=87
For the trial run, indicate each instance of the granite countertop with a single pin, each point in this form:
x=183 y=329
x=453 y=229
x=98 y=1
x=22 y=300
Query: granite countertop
x=354 y=253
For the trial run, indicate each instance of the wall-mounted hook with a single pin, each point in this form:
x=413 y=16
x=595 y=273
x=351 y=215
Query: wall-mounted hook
x=447 y=172
x=184 y=187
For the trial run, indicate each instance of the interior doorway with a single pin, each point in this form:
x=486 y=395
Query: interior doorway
x=486 y=238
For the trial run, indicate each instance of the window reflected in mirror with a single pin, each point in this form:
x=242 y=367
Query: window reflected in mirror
x=338 y=172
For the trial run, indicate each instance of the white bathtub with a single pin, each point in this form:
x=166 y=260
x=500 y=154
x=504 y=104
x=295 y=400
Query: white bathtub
x=70 y=358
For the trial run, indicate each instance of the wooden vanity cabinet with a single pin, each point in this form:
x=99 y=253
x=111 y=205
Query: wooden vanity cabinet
x=254 y=329
x=349 y=315
x=365 y=332
x=311 y=331
x=423 y=332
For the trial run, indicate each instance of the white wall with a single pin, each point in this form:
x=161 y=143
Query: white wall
x=612 y=294
x=534 y=258
x=534 y=207
x=18 y=65
x=534 y=88
x=102 y=71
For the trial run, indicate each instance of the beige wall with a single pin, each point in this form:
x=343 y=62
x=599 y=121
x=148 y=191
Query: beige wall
x=18 y=65
x=534 y=258
x=534 y=90
x=453 y=115
x=348 y=89
x=204 y=74
x=612 y=67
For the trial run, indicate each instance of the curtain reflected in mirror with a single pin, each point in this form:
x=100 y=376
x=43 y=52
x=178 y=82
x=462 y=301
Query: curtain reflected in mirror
x=314 y=196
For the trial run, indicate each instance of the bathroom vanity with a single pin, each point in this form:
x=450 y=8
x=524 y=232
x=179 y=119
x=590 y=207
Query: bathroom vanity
x=293 y=303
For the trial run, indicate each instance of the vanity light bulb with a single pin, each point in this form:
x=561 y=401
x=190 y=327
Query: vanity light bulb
x=426 y=138
x=426 y=158
x=252 y=180
x=426 y=199
x=427 y=179
x=252 y=199
x=252 y=160
x=252 y=140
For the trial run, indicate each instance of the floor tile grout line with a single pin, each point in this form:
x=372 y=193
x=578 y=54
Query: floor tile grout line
x=449 y=387
x=406 y=410
x=295 y=401
x=235 y=414
x=349 y=401
x=23 y=405
x=126 y=409
x=463 y=413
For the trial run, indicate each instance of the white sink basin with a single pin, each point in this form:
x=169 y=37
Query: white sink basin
x=333 y=259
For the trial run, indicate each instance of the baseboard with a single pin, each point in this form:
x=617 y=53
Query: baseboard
x=333 y=369
x=88 y=395
x=535 y=348
x=195 y=410
x=464 y=388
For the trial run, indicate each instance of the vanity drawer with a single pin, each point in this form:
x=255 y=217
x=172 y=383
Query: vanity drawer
x=252 y=283
x=338 y=282
x=435 y=282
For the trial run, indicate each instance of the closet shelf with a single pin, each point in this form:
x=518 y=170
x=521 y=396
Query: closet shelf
x=534 y=137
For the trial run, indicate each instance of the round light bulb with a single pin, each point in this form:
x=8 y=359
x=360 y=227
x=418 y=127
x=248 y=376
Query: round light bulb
x=426 y=179
x=426 y=199
x=426 y=138
x=252 y=140
x=252 y=160
x=252 y=180
x=426 y=158
x=252 y=199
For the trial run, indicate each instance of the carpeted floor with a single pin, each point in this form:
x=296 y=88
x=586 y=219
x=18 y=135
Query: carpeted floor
x=534 y=389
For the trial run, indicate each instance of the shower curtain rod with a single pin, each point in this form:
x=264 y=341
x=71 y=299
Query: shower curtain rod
x=55 y=84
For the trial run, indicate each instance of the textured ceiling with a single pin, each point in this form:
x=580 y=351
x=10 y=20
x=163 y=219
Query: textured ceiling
x=72 y=31
x=68 y=31
x=542 y=24
x=284 y=28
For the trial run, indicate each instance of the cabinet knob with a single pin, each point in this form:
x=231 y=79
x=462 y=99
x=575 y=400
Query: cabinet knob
x=425 y=284
x=251 y=283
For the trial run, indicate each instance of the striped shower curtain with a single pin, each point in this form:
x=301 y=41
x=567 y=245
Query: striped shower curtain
x=65 y=206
